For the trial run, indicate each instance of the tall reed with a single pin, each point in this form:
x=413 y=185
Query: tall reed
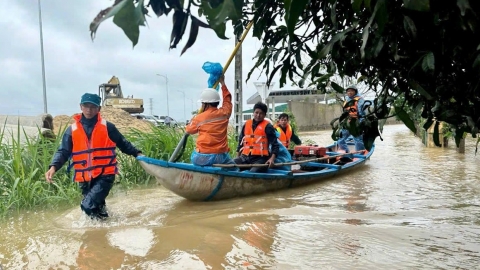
x=23 y=164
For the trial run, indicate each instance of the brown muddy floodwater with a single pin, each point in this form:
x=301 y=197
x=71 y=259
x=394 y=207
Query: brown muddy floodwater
x=410 y=207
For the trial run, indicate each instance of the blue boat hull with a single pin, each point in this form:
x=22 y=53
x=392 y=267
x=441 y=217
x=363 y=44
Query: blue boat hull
x=198 y=183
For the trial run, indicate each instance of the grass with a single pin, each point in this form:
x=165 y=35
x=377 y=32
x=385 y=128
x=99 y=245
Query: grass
x=24 y=163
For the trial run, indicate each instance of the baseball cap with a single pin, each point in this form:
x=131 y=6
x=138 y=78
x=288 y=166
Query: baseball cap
x=91 y=98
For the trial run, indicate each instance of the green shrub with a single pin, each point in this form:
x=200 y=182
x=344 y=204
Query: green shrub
x=23 y=166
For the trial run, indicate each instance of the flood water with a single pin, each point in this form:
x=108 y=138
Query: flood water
x=409 y=207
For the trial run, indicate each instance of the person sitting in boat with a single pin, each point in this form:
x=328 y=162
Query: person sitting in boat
x=354 y=112
x=211 y=125
x=283 y=153
x=257 y=136
x=287 y=134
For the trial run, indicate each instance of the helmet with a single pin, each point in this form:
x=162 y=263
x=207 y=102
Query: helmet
x=354 y=87
x=209 y=95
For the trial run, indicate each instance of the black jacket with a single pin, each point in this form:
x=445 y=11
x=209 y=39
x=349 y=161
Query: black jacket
x=64 y=152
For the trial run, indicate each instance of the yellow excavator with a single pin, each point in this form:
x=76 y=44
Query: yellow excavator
x=112 y=96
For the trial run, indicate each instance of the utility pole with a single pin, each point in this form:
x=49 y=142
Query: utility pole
x=184 y=114
x=43 y=58
x=238 y=99
x=151 y=106
x=166 y=86
x=191 y=109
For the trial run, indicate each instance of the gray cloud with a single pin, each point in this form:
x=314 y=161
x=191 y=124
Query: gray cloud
x=75 y=65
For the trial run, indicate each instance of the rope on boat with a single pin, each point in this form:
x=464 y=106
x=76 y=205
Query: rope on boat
x=285 y=163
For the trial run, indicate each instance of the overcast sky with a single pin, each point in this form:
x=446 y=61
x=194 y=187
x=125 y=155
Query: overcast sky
x=75 y=65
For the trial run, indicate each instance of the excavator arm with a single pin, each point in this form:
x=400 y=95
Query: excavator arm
x=112 y=95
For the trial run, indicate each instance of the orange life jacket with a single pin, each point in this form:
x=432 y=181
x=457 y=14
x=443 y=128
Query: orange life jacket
x=353 y=109
x=255 y=143
x=94 y=157
x=284 y=136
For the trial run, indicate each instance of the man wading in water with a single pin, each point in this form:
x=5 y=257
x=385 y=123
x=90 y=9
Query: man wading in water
x=91 y=142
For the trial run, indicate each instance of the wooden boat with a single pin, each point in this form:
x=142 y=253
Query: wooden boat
x=199 y=183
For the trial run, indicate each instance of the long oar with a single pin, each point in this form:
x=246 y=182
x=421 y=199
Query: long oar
x=183 y=141
x=284 y=163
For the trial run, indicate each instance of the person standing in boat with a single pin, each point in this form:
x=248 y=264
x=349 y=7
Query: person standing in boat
x=354 y=112
x=287 y=134
x=254 y=141
x=211 y=125
x=91 y=142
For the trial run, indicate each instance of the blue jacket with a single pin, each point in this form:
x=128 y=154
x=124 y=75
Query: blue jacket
x=64 y=152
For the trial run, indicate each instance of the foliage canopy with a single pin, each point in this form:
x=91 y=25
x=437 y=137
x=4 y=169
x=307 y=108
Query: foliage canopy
x=426 y=51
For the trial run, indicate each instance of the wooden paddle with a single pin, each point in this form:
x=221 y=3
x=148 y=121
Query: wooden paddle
x=181 y=144
x=283 y=163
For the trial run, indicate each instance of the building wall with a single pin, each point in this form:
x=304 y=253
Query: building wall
x=315 y=116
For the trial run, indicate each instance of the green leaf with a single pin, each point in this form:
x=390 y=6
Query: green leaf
x=403 y=115
x=356 y=4
x=180 y=20
x=325 y=50
x=323 y=78
x=194 y=26
x=284 y=71
x=417 y=5
x=159 y=7
x=470 y=122
x=459 y=132
x=216 y=17
x=409 y=26
x=463 y=5
x=298 y=59
x=313 y=55
x=436 y=137
x=293 y=10
x=261 y=55
x=366 y=29
x=420 y=89
x=126 y=19
x=378 y=47
x=139 y=13
x=275 y=56
x=476 y=63
x=382 y=15
x=174 y=4
x=105 y=14
x=337 y=88
x=428 y=123
x=301 y=83
x=428 y=63
x=367 y=4
x=328 y=47
x=315 y=70
x=274 y=71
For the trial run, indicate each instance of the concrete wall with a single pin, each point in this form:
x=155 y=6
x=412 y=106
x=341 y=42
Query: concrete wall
x=30 y=126
x=30 y=121
x=315 y=116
